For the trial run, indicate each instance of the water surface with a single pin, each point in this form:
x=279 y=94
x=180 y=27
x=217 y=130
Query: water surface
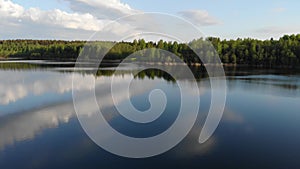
x=39 y=127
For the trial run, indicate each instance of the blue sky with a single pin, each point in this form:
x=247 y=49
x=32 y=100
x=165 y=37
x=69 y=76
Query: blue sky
x=225 y=19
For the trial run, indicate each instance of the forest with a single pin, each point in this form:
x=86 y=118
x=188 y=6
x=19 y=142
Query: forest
x=282 y=52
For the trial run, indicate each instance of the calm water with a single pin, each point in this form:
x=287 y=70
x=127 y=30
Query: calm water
x=39 y=127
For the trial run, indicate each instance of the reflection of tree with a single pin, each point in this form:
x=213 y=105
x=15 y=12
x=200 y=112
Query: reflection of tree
x=154 y=73
x=17 y=66
x=287 y=86
x=199 y=72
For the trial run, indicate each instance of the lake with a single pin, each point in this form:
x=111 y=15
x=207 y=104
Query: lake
x=260 y=127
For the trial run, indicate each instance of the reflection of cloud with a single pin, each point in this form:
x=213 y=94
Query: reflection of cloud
x=192 y=144
x=25 y=126
x=232 y=117
x=191 y=147
x=18 y=85
x=201 y=149
x=15 y=86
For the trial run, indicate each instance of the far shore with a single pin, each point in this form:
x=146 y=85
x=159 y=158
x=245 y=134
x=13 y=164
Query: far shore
x=116 y=62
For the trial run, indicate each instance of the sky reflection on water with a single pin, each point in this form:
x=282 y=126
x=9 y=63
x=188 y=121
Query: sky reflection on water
x=39 y=128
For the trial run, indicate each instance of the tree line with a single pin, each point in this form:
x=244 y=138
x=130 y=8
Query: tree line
x=282 y=52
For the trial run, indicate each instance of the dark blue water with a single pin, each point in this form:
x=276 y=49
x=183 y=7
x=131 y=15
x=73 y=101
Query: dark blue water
x=39 y=128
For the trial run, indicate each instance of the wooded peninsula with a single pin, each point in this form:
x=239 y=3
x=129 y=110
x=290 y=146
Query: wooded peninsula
x=282 y=52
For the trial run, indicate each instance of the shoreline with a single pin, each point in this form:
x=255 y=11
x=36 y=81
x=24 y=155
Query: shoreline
x=116 y=62
x=222 y=64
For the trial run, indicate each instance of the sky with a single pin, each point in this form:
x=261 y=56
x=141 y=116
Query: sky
x=80 y=19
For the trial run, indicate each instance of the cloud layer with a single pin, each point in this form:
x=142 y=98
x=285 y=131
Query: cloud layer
x=83 y=19
x=199 y=17
x=104 y=9
x=19 y=22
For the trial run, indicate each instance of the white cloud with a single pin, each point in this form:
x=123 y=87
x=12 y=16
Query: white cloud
x=108 y=9
x=18 y=22
x=199 y=17
x=66 y=20
x=14 y=12
x=10 y=9
x=86 y=18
